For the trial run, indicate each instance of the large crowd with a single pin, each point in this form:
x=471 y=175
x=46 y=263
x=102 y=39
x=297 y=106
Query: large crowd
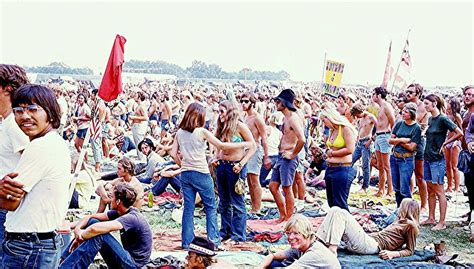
x=213 y=144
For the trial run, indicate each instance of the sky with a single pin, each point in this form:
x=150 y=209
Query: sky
x=273 y=36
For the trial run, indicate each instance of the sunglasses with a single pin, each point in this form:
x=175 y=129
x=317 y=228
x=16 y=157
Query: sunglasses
x=410 y=92
x=244 y=101
x=19 y=110
x=222 y=111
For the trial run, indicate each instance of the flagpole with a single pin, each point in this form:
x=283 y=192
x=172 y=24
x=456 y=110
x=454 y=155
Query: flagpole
x=82 y=155
x=400 y=61
x=324 y=68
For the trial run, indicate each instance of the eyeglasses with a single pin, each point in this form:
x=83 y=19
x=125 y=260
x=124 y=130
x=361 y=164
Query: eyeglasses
x=244 y=101
x=19 y=110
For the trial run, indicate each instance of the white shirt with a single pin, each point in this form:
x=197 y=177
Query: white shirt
x=273 y=141
x=44 y=169
x=12 y=142
x=64 y=109
x=193 y=148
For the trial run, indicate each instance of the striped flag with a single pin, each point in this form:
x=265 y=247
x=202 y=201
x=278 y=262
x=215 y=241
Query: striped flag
x=96 y=125
x=387 y=76
x=403 y=77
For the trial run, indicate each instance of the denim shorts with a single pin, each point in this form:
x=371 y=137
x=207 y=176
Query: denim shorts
x=381 y=143
x=434 y=171
x=255 y=162
x=284 y=171
x=81 y=133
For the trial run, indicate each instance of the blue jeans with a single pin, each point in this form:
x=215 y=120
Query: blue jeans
x=160 y=185
x=193 y=182
x=402 y=170
x=127 y=145
x=231 y=205
x=36 y=253
x=115 y=256
x=3 y=217
x=362 y=151
x=338 y=183
x=264 y=172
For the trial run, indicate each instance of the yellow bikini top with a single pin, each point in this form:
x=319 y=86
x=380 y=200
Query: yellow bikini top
x=339 y=142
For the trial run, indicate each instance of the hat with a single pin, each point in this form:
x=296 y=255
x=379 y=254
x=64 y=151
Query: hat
x=351 y=96
x=287 y=97
x=202 y=246
x=148 y=142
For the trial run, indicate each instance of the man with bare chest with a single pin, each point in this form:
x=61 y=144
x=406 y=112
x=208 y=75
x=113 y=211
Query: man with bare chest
x=413 y=94
x=385 y=122
x=165 y=108
x=257 y=126
x=139 y=122
x=366 y=122
x=291 y=143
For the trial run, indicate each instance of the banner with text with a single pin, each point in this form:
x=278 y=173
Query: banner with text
x=333 y=77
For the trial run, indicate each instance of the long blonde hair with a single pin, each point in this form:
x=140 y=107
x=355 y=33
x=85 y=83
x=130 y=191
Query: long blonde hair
x=225 y=130
x=409 y=210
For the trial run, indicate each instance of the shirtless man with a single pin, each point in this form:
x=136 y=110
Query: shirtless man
x=413 y=94
x=299 y=185
x=257 y=126
x=386 y=120
x=166 y=111
x=365 y=123
x=139 y=122
x=291 y=143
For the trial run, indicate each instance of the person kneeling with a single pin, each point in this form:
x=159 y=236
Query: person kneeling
x=388 y=243
x=307 y=252
x=92 y=235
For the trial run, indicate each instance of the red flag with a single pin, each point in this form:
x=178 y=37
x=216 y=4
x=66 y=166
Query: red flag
x=388 y=67
x=111 y=85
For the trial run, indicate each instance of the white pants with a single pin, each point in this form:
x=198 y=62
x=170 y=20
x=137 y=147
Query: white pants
x=341 y=225
x=139 y=132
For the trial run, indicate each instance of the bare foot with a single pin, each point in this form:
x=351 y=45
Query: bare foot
x=439 y=227
x=379 y=194
x=423 y=210
x=280 y=220
x=448 y=190
x=389 y=194
x=428 y=222
x=362 y=190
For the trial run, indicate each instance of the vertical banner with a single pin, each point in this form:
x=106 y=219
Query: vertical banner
x=333 y=78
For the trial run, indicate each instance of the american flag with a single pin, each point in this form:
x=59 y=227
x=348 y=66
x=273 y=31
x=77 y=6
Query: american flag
x=96 y=126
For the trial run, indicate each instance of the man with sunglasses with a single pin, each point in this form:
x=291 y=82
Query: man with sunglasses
x=31 y=240
x=257 y=126
x=413 y=94
x=13 y=141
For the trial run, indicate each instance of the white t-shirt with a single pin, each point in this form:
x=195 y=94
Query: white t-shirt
x=193 y=149
x=44 y=169
x=64 y=109
x=12 y=141
x=273 y=141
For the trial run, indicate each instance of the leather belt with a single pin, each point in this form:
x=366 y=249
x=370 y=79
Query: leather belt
x=30 y=237
x=382 y=133
x=339 y=164
x=404 y=155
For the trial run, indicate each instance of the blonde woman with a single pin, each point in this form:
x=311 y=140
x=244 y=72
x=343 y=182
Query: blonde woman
x=341 y=144
x=308 y=252
x=397 y=240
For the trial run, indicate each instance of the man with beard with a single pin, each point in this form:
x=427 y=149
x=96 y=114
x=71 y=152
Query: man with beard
x=291 y=143
x=257 y=126
x=413 y=94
